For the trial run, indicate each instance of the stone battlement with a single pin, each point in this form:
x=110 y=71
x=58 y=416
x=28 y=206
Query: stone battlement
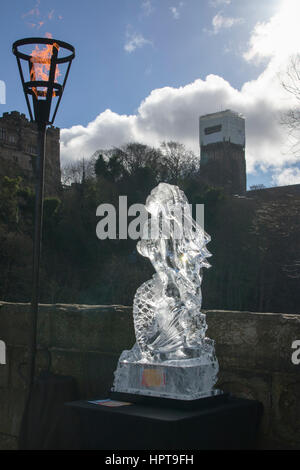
x=15 y=115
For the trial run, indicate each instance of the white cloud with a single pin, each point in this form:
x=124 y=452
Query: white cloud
x=147 y=8
x=217 y=3
x=107 y=130
x=224 y=22
x=277 y=38
x=135 y=41
x=175 y=12
x=287 y=176
x=172 y=113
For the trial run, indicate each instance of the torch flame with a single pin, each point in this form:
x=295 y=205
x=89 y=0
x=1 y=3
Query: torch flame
x=41 y=62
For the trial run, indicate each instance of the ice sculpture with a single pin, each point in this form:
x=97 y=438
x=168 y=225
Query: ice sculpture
x=172 y=357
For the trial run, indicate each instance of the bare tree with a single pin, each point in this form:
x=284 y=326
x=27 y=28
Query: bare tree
x=179 y=161
x=77 y=171
x=135 y=155
x=291 y=83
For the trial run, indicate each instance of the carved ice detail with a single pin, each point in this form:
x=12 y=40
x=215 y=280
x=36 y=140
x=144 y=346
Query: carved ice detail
x=169 y=326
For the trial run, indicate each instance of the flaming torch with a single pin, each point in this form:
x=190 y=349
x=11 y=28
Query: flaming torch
x=43 y=94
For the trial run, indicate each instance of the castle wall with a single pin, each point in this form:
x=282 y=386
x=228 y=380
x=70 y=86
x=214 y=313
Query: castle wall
x=254 y=352
x=18 y=151
x=277 y=192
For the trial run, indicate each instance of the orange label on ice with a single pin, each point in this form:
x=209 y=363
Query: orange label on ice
x=153 y=378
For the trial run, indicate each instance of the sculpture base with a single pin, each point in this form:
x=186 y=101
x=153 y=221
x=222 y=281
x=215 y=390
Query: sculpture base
x=187 y=380
x=216 y=397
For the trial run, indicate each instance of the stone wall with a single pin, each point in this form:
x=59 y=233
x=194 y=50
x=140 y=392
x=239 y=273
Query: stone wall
x=18 y=151
x=254 y=351
x=278 y=192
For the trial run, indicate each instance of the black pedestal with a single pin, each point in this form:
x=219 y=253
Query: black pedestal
x=156 y=401
x=230 y=425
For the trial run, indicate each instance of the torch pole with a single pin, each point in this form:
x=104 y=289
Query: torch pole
x=37 y=243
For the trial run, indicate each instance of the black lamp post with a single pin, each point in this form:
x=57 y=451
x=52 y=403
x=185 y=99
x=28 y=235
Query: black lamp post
x=42 y=92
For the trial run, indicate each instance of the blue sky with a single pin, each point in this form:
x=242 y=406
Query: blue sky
x=129 y=51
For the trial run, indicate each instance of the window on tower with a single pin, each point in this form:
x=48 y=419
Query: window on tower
x=2 y=133
x=12 y=139
x=212 y=129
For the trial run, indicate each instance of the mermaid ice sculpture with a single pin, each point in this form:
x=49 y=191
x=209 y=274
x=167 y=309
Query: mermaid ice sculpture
x=172 y=357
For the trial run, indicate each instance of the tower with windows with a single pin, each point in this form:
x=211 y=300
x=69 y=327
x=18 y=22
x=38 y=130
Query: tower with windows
x=222 y=145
